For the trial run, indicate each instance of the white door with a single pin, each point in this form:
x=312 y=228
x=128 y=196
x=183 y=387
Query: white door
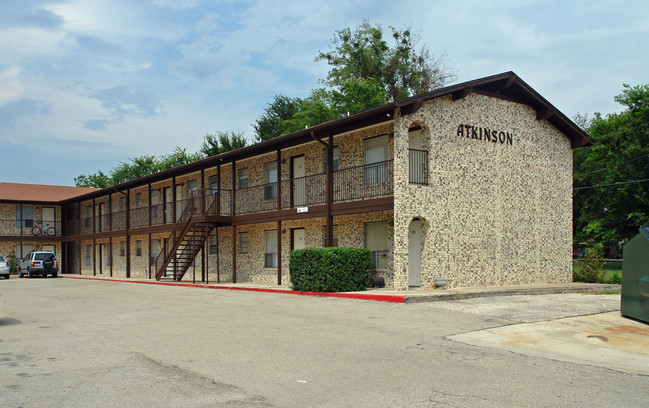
x=299 y=185
x=414 y=254
x=48 y=221
x=179 y=203
x=299 y=241
x=168 y=205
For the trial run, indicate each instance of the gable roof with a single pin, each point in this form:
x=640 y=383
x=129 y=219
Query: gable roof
x=506 y=85
x=39 y=193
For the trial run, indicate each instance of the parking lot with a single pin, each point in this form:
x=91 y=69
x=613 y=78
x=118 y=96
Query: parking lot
x=73 y=343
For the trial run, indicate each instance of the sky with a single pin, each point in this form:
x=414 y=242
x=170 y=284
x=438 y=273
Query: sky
x=87 y=84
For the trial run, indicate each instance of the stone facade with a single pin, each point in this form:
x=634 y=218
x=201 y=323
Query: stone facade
x=493 y=214
x=494 y=203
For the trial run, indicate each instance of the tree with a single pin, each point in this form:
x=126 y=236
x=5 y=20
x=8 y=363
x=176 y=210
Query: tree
x=271 y=123
x=98 y=180
x=222 y=142
x=366 y=72
x=401 y=70
x=177 y=157
x=611 y=197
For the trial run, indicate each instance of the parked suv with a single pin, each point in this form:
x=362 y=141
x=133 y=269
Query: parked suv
x=39 y=263
x=4 y=267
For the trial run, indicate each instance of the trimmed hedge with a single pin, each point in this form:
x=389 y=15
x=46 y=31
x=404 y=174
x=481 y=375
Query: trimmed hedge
x=330 y=269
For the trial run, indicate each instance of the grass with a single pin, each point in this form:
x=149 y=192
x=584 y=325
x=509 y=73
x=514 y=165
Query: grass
x=609 y=292
x=607 y=275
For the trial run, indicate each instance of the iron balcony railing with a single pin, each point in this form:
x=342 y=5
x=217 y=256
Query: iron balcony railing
x=418 y=166
x=29 y=227
x=370 y=181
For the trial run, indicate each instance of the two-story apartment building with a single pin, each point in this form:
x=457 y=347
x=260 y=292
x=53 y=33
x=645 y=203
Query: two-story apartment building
x=471 y=183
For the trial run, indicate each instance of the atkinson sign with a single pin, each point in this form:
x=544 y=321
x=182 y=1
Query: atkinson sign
x=486 y=134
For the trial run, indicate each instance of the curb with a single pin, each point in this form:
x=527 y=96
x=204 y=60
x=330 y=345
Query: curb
x=513 y=292
x=344 y=295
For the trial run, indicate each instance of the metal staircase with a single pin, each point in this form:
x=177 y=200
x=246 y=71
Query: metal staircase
x=185 y=241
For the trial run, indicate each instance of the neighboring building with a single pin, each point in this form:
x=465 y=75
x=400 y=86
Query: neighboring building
x=30 y=217
x=471 y=183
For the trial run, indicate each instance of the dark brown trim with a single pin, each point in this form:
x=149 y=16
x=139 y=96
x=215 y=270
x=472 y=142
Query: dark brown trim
x=128 y=237
x=330 y=190
x=461 y=94
x=94 y=257
x=279 y=252
x=234 y=254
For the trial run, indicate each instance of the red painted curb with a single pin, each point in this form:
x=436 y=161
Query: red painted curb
x=358 y=296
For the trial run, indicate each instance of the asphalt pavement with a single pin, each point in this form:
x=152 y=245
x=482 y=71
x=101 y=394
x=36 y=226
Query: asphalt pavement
x=72 y=343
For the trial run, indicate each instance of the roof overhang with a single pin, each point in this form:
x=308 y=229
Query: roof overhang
x=506 y=86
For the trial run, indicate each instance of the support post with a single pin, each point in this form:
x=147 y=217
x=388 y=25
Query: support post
x=128 y=237
x=110 y=254
x=94 y=257
x=234 y=254
x=279 y=252
x=330 y=189
x=218 y=256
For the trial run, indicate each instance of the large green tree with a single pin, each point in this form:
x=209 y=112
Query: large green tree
x=366 y=72
x=221 y=142
x=400 y=69
x=611 y=178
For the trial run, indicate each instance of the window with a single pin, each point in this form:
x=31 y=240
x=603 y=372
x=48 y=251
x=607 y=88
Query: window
x=192 y=188
x=376 y=240
x=270 y=180
x=324 y=236
x=376 y=153
x=155 y=249
x=25 y=250
x=122 y=204
x=87 y=255
x=244 y=244
x=26 y=219
x=270 y=260
x=122 y=248
x=214 y=248
x=155 y=201
x=138 y=200
x=138 y=248
x=213 y=182
x=86 y=219
x=324 y=159
x=243 y=178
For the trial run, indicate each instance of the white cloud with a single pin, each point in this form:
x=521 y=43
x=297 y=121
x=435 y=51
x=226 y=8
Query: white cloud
x=11 y=87
x=21 y=45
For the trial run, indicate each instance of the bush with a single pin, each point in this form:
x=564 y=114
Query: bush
x=590 y=270
x=13 y=266
x=330 y=269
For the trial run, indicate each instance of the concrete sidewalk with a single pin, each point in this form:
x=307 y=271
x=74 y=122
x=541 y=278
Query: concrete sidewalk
x=382 y=294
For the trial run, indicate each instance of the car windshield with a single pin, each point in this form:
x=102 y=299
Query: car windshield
x=43 y=256
x=2 y=259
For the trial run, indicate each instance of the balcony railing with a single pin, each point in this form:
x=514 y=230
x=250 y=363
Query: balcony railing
x=418 y=166
x=351 y=184
x=364 y=182
x=29 y=227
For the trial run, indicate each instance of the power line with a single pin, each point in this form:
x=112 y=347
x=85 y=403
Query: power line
x=614 y=165
x=619 y=183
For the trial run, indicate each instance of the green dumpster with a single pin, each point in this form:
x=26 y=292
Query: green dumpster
x=635 y=277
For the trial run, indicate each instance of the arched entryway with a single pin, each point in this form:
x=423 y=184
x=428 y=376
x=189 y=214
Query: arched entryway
x=414 y=253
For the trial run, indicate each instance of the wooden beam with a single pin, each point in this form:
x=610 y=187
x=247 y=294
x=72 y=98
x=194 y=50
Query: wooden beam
x=545 y=113
x=461 y=94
